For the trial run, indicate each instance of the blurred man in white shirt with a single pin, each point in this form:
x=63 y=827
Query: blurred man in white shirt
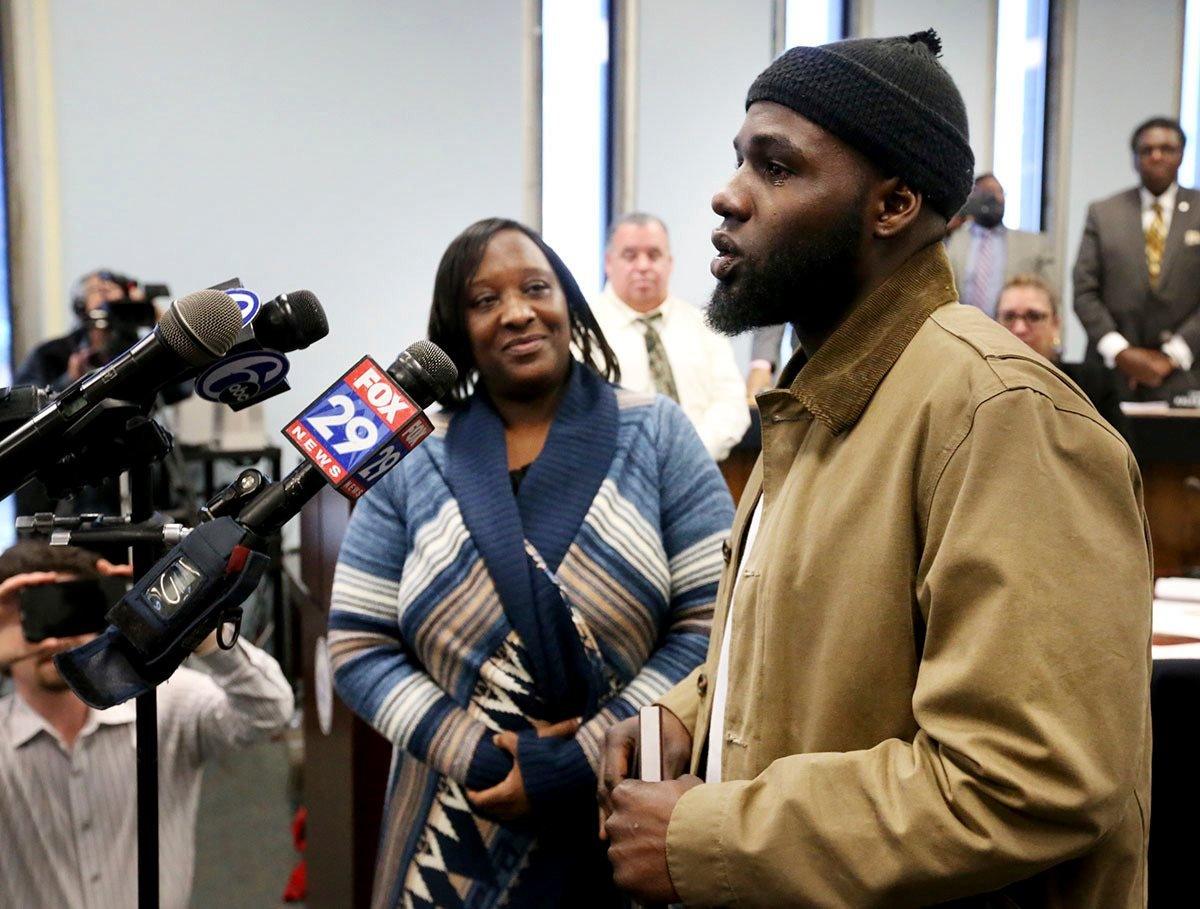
x=68 y=825
x=662 y=342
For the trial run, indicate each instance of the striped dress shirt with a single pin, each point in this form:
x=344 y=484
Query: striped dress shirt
x=68 y=816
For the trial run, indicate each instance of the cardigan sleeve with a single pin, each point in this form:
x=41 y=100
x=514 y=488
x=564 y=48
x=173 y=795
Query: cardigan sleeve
x=375 y=674
x=696 y=512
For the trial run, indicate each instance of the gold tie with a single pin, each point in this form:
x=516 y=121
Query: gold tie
x=1156 y=238
x=660 y=367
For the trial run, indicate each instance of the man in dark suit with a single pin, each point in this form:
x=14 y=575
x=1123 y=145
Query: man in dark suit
x=1137 y=275
x=985 y=254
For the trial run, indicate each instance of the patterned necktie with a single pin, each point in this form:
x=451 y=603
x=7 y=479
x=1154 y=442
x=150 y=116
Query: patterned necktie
x=979 y=289
x=1156 y=238
x=656 y=354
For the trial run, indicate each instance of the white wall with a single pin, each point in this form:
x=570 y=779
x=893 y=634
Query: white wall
x=340 y=146
x=295 y=143
x=1126 y=69
x=696 y=61
x=968 y=32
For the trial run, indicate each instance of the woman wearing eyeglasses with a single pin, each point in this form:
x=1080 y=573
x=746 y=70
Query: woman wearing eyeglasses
x=1028 y=307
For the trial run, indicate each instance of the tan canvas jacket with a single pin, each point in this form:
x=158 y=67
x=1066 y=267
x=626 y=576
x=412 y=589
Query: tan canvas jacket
x=940 y=651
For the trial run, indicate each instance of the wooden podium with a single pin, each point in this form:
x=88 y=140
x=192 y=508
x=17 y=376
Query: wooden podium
x=346 y=763
x=1167 y=445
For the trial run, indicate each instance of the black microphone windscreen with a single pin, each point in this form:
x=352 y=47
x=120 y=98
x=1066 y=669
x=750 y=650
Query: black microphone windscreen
x=201 y=326
x=309 y=315
x=291 y=321
x=440 y=369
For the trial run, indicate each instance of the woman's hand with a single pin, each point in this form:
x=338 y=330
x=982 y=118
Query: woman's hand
x=507 y=800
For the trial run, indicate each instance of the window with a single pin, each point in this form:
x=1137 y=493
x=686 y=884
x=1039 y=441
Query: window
x=1022 y=30
x=813 y=22
x=575 y=118
x=1189 y=104
x=7 y=506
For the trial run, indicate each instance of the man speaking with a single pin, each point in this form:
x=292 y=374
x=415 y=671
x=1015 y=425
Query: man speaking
x=928 y=678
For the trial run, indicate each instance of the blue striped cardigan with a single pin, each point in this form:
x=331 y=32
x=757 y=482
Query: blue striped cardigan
x=423 y=651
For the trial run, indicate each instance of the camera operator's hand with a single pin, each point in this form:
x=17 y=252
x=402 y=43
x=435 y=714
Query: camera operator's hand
x=109 y=570
x=13 y=646
x=621 y=745
x=79 y=363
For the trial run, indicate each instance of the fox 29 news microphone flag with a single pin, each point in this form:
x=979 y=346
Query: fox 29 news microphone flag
x=359 y=429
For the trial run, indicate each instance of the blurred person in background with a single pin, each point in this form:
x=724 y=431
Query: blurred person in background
x=984 y=254
x=68 y=785
x=1028 y=307
x=1137 y=274
x=661 y=341
x=110 y=307
x=540 y=568
x=114 y=311
x=766 y=345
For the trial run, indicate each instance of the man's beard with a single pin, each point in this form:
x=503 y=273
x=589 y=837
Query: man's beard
x=810 y=284
x=49 y=678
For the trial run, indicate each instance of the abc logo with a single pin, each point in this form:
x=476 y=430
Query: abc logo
x=240 y=378
x=247 y=301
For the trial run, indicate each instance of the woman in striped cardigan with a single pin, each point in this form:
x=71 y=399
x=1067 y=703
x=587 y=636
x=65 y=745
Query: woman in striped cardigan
x=541 y=567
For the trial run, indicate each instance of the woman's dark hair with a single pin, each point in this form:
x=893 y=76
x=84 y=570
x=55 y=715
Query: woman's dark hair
x=448 y=314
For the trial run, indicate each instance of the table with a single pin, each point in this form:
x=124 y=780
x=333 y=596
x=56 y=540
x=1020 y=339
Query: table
x=1167 y=445
x=1174 y=793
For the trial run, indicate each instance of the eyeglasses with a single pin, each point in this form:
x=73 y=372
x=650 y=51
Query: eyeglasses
x=1033 y=317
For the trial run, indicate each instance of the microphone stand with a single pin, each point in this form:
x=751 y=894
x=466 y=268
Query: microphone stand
x=144 y=557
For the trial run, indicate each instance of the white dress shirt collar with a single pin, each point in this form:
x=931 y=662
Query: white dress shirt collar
x=24 y=723
x=979 y=230
x=628 y=315
x=1167 y=198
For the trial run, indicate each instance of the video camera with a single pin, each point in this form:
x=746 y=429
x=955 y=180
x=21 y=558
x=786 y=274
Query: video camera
x=121 y=322
x=67 y=609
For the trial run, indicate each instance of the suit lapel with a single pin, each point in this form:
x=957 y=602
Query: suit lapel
x=1137 y=236
x=1182 y=220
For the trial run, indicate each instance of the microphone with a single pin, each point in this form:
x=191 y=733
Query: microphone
x=196 y=330
x=201 y=583
x=423 y=373
x=291 y=322
x=255 y=369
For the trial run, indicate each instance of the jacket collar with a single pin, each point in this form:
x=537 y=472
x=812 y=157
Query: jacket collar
x=836 y=385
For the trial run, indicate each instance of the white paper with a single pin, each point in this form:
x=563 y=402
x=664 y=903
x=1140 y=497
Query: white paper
x=650 y=759
x=1177 y=618
x=1176 y=651
x=1177 y=589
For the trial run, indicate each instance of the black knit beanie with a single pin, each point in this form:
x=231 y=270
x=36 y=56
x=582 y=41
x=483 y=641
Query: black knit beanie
x=890 y=99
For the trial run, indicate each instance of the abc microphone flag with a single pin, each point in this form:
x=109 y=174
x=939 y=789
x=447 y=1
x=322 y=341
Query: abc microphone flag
x=359 y=428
